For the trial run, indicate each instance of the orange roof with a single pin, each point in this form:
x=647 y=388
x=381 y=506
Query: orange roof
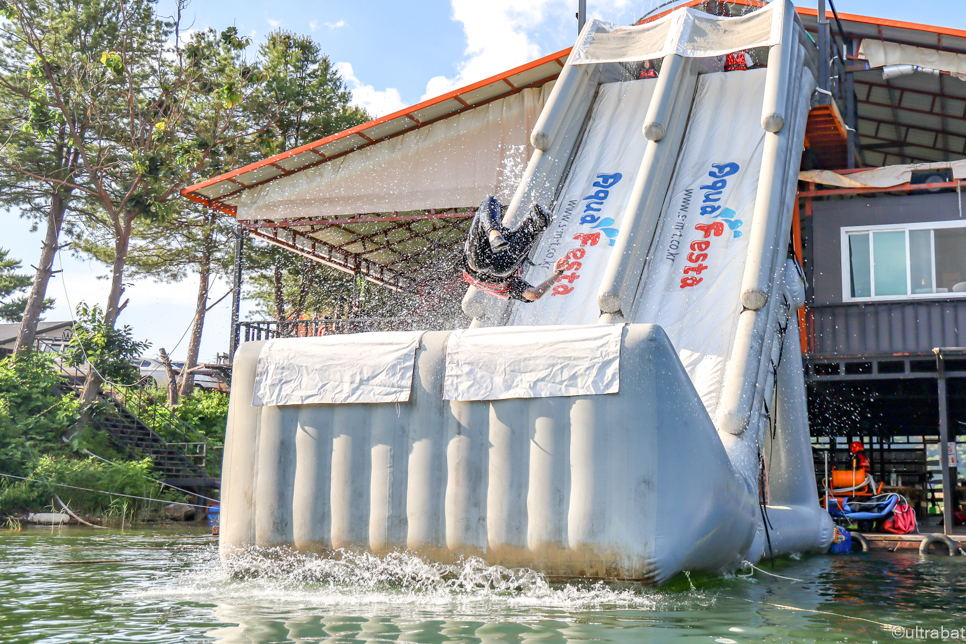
x=220 y=192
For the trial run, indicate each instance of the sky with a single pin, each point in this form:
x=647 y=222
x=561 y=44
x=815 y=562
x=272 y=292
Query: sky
x=391 y=55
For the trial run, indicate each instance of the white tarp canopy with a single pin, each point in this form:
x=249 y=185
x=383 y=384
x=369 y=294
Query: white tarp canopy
x=880 y=54
x=336 y=369
x=454 y=162
x=525 y=362
x=887 y=177
x=685 y=32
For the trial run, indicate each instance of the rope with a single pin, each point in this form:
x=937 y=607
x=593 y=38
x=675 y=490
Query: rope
x=748 y=565
x=818 y=612
x=87 y=489
x=155 y=481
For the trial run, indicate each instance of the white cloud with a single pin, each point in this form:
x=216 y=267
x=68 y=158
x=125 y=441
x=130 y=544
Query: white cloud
x=498 y=38
x=335 y=25
x=376 y=102
x=503 y=34
x=313 y=25
x=274 y=23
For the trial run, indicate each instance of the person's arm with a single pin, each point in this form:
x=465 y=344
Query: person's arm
x=538 y=291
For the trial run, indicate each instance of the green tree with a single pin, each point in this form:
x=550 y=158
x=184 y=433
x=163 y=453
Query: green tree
x=302 y=94
x=217 y=135
x=307 y=100
x=109 y=351
x=33 y=414
x=137 y=94
x=38 y=157
x=12 y=284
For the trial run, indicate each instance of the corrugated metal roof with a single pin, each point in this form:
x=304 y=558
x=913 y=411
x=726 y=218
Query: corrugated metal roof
x=907 y=119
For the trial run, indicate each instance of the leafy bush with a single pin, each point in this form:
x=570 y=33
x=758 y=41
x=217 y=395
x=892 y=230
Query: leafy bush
x=33 y=415
x=52 y=473
x=108 y=349
x=206 y=411
x=203 y=411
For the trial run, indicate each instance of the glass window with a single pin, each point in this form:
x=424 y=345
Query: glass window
x=861 y=276
x=889 y=262
x=921 y=260
x=951 y=260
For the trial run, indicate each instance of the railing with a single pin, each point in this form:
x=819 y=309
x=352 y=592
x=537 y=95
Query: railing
x=156 y=415
x=177 y=434
x=197 y=454
x=268 y=329
x=880 y=328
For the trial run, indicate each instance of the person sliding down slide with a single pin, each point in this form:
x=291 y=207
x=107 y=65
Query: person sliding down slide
x=493 y=255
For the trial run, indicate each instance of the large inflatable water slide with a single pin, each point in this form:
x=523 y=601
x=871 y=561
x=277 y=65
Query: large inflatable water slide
x=646 y=417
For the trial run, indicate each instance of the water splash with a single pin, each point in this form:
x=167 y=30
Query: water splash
x=352 y=580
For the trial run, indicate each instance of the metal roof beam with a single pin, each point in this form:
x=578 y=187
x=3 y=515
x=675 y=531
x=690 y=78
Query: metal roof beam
x=902 y=144
x=372 y=271
x=908 y=127
x=452 y=213
x=907 y=90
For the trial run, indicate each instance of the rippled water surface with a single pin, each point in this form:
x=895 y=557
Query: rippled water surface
x=70 y=585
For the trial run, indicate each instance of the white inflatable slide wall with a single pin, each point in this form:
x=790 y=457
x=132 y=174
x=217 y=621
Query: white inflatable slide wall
x=646 y=417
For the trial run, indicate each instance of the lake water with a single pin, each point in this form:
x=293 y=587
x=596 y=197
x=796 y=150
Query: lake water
x=168 y=586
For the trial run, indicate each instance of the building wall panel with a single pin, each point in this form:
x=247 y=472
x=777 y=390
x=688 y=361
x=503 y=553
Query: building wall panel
x=888 y=327
x=884 y=327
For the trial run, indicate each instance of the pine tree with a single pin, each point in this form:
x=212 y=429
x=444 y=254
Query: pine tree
x=125 y=108
x=307 y=100
x=12 y=287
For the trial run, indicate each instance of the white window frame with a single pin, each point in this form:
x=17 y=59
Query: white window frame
x=905 y=228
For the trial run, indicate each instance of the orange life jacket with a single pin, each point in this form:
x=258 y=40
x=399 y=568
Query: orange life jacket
x=736 y=62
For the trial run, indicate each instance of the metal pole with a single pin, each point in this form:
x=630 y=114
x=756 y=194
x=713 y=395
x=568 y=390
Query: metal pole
x=581 y=14
x=850 y=114
x=826 y=473
x=823 y=47
x=236 y=290
x=944 y=445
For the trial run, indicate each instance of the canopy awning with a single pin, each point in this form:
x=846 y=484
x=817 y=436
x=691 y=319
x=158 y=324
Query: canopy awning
x=391 y=198
x=370 y=144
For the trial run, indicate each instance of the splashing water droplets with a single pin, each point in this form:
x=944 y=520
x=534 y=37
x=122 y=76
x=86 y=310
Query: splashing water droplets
x=351 y=579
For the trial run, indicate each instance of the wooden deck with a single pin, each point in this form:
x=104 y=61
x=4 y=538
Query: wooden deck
x=895 y=542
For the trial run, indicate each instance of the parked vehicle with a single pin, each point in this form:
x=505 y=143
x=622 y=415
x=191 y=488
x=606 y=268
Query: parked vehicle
x=205 y=377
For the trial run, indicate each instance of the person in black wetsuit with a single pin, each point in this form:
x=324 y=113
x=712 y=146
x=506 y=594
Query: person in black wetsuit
x=493 y=255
